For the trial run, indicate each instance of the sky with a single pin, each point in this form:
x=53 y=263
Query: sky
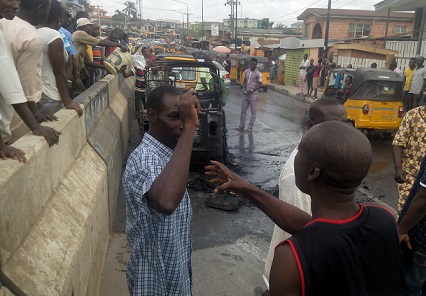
x=278 y=11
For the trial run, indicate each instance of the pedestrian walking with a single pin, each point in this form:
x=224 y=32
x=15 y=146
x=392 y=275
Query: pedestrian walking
x=418 y=84
x=408 y=75
x=251 y=84
x=334 y=252
x=321 y=110
x=157 y=203
x=303 y=84
x=412 y=225
x=408 y=148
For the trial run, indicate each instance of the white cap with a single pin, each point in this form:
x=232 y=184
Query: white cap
x=81 y=22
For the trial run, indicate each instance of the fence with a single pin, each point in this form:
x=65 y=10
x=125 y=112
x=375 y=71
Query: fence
x=358 y=62
x=406 y=50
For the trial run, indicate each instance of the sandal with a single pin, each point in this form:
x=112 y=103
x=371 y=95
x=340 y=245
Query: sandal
x=249 y=130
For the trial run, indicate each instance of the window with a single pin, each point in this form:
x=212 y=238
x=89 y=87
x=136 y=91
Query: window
x=307 y=31
x=399 y=29
x=359 y=30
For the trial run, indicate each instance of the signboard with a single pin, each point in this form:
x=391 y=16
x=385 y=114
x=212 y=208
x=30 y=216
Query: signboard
x=215 y=30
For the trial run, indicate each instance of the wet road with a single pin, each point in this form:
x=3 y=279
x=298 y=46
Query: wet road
x=229 y=248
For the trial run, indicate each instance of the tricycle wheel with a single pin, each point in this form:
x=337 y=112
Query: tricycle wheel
x=265 y=89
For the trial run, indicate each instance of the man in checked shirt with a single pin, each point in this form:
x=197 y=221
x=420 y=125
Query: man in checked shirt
x=157 y=203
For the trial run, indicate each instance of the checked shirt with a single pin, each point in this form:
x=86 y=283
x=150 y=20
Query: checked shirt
x=160 y=261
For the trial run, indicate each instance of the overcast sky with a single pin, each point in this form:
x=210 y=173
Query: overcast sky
x=278 y=11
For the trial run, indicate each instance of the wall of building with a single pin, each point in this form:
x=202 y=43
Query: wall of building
x=339 y=28
x=55 y=210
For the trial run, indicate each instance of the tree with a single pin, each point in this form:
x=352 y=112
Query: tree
x=280 y=26
x=265 y=24
x=118 y=16
x=130 y=10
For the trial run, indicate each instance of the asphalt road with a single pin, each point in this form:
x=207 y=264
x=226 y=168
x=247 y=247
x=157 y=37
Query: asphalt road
x=229 y=248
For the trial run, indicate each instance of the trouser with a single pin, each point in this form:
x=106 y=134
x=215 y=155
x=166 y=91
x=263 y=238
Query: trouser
x=303 y=85
x=252 y=102
x=405 y=101
x=414 y=271
x=413 y=100
x=47 y=106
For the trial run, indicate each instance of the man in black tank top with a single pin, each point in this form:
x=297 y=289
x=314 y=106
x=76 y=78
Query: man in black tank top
x=344 y=248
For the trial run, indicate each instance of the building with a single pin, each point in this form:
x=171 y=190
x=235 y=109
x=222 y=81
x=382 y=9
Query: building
x=73 y=5
x=353 y=24
x=244 y=23
x=215 y=32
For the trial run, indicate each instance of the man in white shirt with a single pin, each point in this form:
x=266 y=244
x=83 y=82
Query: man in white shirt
x=303 y=83
x=321 y=110
x=12 y=94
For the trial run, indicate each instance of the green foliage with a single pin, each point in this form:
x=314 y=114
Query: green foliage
x=266 y=24
x=118 y=16
x=130 y=10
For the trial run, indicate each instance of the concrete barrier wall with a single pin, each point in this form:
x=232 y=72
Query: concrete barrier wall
x=55 y=210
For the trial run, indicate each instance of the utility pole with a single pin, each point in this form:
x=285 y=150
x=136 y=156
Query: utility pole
x=231 y=16
x=327 y=28
x=236 y=24
x=99 y=19
x=202 y=19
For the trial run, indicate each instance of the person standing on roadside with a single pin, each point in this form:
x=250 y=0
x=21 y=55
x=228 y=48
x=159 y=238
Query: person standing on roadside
x=55 y=93
x=408 y=75
x=320 y=111
x=316 y=82
x=418 y=84
x=412 y=225
x=227 y=63
x=310 y=76
x=303 y=84
x=408 y=149
x=25 y=51
x=158 y=208
x=82 y=38
x=251 y=84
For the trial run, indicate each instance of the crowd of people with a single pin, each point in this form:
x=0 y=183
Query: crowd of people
x=47 y=60
x=324 y=242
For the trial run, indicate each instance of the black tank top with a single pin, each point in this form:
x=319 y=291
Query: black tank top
x=358 y=256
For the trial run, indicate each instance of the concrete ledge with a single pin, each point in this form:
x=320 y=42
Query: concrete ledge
x=95 y=101
x=70 y=237
x=54 y=210
x=26 y=188
x=5 y=291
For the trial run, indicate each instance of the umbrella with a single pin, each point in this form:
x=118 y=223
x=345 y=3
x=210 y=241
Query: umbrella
x=222 y=49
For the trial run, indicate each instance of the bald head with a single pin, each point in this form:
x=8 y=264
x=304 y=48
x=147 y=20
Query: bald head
x=333 y=154
x=326 y=109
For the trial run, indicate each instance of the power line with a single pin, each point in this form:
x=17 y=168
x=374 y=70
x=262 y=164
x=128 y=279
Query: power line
x=346 y=4
x=295 y=10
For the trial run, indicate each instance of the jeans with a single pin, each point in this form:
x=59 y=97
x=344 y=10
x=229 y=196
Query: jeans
x=414 y=271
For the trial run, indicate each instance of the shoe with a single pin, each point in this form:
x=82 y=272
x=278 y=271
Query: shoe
x=239 y=129
x=248 y=130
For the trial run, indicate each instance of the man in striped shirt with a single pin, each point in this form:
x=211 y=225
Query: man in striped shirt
x=418 y=83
